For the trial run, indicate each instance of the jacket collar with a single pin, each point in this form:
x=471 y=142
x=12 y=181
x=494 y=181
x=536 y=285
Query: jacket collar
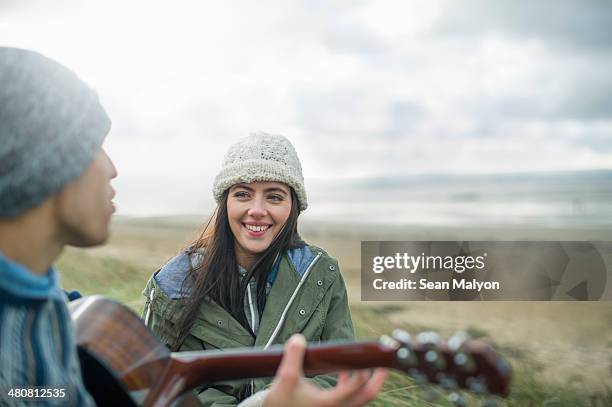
x=294 y=264
x=283 y=292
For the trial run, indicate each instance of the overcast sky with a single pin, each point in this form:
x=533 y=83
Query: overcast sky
x=362 y=88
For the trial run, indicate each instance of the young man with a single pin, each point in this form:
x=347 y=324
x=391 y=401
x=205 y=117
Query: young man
x=55 y=191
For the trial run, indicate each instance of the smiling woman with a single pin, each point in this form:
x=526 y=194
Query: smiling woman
x=249 y=279
x=256 y=213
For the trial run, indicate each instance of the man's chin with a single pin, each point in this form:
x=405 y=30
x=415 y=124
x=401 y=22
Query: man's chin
x=90 y=240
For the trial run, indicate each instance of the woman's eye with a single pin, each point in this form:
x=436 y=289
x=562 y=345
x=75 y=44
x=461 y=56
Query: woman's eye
x=241 y=194
x=276 y=198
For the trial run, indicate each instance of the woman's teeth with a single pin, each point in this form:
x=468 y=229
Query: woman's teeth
x=254 y=228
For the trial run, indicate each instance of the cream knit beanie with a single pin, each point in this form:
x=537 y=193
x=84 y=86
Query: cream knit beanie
x=261 y=157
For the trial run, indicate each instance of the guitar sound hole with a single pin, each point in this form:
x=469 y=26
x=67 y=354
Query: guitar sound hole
x=101 y=384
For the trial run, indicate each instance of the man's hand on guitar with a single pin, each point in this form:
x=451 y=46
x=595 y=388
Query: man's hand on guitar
x=290 y=388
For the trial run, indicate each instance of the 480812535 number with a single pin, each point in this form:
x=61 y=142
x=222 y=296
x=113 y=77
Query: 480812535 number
x=33 y=393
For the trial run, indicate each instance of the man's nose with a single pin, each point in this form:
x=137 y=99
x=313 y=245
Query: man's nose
x=111 y=166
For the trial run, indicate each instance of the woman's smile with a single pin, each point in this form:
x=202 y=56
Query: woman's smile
x=256 y=229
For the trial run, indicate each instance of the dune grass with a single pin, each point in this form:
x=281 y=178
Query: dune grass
x=120 y=270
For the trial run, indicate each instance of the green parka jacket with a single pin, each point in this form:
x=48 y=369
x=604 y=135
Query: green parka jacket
x=308 y=296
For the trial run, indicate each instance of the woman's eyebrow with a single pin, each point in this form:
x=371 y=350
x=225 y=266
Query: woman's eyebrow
x=276 y=189
x=244 y=186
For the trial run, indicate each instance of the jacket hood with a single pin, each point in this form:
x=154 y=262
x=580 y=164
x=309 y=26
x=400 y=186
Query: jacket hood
x=171 y=276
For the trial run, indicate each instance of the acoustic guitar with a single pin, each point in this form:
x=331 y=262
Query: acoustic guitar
x=123 y=363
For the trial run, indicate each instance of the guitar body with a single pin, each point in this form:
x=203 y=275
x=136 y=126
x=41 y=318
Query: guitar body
x=121 y=360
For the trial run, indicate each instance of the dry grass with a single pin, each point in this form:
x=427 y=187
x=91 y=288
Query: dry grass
x=561 y=351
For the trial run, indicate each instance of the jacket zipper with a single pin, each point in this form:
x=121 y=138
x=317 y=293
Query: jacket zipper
x=252 y=328
x=146 y=321
x=251 y=308
x=284 y=314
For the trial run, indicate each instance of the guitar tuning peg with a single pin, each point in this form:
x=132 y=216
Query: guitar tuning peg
x=406 y=357
x=464 y=362
x=457 y=399
x=476 y=385
x=435 y=358
x=401 y=335
x=490 y=403
x=503 y=366
x=389 y=342
x=417 y=376
x=457 y=340
x=431 y=341
x=446 y=382
x=431 y=356
x=429 y=338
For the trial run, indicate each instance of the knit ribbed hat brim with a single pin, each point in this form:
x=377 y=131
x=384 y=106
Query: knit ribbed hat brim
x=265 y=158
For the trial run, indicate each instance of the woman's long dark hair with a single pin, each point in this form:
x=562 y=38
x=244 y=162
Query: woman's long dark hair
x=217 y=278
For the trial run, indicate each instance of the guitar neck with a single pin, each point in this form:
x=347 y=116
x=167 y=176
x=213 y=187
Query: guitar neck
x=189 y=370
x=319 y=359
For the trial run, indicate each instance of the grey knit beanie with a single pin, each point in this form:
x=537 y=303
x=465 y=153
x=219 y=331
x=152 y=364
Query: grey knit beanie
x=261 y=157
x=51 y=126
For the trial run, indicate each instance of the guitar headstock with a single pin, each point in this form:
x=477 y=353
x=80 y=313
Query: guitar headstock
x=458 y=363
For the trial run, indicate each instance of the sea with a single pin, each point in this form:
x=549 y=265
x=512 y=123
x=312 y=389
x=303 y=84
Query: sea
x=548 y=199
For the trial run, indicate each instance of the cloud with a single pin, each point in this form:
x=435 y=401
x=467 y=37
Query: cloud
x=403 y=116
x=9 y=8
x=595 y=139
x=353 y=38
x=361 y=88
x=552 y=91
x=587 y=96
x=572 y=24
